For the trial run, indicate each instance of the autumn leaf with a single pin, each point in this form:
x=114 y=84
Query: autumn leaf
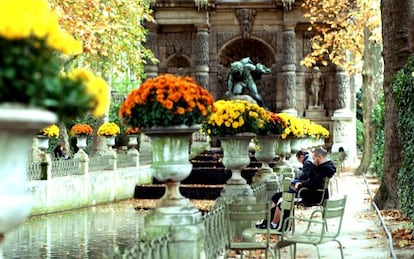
x=339 y=31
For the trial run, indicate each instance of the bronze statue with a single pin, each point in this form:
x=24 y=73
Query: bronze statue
x=242 y=74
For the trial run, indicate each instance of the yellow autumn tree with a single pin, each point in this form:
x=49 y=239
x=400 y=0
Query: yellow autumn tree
x=112 y=33
x=341 y=28
x=348 y=34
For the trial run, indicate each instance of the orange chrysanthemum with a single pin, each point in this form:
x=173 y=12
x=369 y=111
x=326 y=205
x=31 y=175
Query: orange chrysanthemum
x=166 y=100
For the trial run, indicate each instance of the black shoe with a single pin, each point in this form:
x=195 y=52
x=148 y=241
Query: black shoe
x=261 y=226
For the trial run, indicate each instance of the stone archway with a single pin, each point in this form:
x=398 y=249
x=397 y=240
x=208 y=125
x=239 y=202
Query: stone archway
x=259 y=52
x=179 y=64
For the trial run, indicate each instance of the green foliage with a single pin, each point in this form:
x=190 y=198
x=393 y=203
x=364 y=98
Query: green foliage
x=359 y=134
x=379 y=141
x=403 y=92
x=114 y=114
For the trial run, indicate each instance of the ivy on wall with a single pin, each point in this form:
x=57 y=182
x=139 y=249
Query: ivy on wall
x=403 y=92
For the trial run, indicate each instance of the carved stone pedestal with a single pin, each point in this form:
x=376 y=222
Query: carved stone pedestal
x=314 y=112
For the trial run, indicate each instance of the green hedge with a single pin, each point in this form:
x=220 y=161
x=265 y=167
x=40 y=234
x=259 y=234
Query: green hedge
x=378 y=149
x=403 y=92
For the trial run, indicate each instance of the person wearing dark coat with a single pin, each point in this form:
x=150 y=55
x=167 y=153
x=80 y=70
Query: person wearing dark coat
x=307 y=166
x=323 y=168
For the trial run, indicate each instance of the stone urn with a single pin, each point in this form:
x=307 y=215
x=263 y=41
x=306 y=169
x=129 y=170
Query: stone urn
x=235 y=158
x=170 y=160
x=18 y=126
x=265 y=154
x=132 y=140
x=42 y=142
x=295 y=145
x=81 y=141
x=110 y=141
x=283 y=150
x=173 y=212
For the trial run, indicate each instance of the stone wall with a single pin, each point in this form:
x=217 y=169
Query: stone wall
x=202 y=42
x=71 y=192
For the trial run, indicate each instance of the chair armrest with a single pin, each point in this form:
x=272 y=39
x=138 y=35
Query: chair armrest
x=309 y=189
x=315 y=212
x=313 y=227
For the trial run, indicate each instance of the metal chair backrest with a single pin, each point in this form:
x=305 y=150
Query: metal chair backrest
x=324 y=191
x=287 y=205
x=334 y=210
x=239 y=214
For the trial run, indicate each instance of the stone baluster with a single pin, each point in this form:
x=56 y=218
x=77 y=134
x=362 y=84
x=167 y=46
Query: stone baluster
x=289 y=69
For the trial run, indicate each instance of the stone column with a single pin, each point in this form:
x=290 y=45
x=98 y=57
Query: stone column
x=152 y=43
x=344 y=124
x=201 y=55
x=289 y=69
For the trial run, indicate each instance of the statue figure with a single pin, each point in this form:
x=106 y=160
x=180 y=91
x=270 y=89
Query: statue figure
x=242 y=74
x=316 y=86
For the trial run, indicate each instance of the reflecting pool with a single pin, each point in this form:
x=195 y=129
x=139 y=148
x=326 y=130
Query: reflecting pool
x=83 y=233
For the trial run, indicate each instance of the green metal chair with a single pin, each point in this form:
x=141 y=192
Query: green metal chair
x=323 y=191
x=313 y=231
x=287 y=209
x=241 y=213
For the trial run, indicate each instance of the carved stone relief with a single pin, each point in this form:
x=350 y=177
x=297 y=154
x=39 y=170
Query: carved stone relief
x=202 y=48
x=178 y=43
x=289 y=47
x=342 y=84
x=339 y=132
x=246 y=18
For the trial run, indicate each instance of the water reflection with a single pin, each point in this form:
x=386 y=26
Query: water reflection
x=82 y=233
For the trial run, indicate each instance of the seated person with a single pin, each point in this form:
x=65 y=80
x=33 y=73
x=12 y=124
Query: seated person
x=323 y=168
x=59 y=150
x=307 y=162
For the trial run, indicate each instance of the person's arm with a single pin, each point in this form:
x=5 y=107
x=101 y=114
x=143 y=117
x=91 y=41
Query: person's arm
x=306 y=169
x=315 y=182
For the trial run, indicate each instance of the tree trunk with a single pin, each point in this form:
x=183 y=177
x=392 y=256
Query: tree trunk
x=395 y=25
x=372 y=76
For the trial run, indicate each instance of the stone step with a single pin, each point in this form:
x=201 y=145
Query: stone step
x=206 y=180
x=192 y=191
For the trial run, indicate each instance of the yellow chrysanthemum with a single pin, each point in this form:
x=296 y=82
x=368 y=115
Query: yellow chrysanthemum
x=20 y=19
x=95 y=87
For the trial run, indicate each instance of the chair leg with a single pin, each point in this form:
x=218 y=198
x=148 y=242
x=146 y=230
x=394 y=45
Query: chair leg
x=271 y=252
x=226 y=254
x=340 y=248
x=294 y=251
x=317 y=251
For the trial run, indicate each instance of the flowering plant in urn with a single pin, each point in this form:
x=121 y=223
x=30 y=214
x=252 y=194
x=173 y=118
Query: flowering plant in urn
x=318 y=131
x=132 y=131
x=81 y=129
x=51 y=131
x=233 y=117
x=295 y=127
x=273 y=124
x=166 y=100
x=109 y=129
x=32 y=49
